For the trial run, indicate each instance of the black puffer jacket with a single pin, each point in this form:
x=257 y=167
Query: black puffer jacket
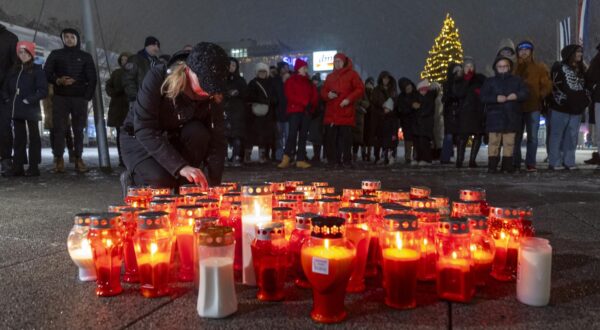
x=235 y=107
x=33 y=87
x=75 y=63
x=261 y=129
x=8 y=52
x=470 y=116
x=423 y=123
x=404 y=107
x=119 y=104
x=156 y=119
x=451 y=102
x=569 y=92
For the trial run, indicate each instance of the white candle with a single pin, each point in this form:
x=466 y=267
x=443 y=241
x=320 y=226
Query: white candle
x=533 y=271
x=216 y=293
x=84 y=259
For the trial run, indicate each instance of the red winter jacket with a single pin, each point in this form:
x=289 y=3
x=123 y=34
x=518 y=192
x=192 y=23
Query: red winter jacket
x=348 y=85
x=300 y=92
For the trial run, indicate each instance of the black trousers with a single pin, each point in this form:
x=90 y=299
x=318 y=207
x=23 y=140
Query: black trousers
x=118 y=130
x=6 y=133
x=22 y=127
x=192 y=142
x=63 y=107
x=339 y=144
x=299 y=123
x=423 y=148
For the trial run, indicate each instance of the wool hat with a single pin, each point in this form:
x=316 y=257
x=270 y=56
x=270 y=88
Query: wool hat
x=299 y=64
x=468 y=60
x=211 y=64
x=28 y=46
x=423 y=84
x=150 y=40
x=262 y=66
x=525 y=45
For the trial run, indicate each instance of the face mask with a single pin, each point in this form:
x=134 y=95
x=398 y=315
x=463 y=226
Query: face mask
x=195 y=85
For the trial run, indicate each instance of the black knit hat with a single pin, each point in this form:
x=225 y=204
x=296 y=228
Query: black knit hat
x=211 y=63
x=150 y=40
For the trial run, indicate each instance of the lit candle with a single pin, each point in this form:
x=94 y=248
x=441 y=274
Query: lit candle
x=79 y=247
x=505 y=230
x=482 y=250
x=370 y=186
x=418 y=192
x=257 y=206
x=107 y=248
x=184 y=231
x=286 y=216
x=300 y=235
x=235 y=221
x=454 y=280
x=428 y=223
x=358 y=233
x=130 y=220
x=270 y=257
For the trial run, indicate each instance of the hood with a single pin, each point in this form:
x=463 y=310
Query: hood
x=403 y=83
x=498 y=59
x=181 y=55
x=450 y=71
x=347 y=61
x=392 y=85
x=568 y=51
x=505 y=43
x=72 y=31
x=121 y=55
x=237 y=67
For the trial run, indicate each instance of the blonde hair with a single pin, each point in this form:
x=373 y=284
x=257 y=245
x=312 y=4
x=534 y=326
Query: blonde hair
x=175 y=82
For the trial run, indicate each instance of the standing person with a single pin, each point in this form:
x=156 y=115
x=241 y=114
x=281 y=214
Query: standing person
x=424 y=109
x=537 y=78
x=408 y=96
x=47 y=110
x=470 y=116
x=138 y=65
x=8 y=59
x=73 y=73
x=315 y=130
x=451 y=102
x=343 y=87
x=262 y=100
x=593 y=81
x=570 y=97
x=382 y=101
x=502 y=95
x=358 y=132
x=119 y=104
x=281 y=110
x=178 y=122
x=368 y=138
x=438 y=124
x=24 y=87
x=235 y=114
x=302 y=101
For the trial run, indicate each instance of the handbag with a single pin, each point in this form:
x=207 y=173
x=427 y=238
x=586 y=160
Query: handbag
x=260 y=109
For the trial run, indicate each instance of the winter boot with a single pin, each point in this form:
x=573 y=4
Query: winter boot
x=285 y=162
x=16 y=170
x=461 y=146
x=80 y=165
x=302 y=164
x=493 y=164
x=507 y=165
x=247 y=156
x=595 y=160
x=32 y=170
x=59 y=165
x=474 y=151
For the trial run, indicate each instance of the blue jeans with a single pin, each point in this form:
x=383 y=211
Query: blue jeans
x=447 y=148
x=282 y=135
x=563 y=137
x=531 y=123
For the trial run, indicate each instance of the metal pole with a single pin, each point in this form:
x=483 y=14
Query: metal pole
x=90 y=46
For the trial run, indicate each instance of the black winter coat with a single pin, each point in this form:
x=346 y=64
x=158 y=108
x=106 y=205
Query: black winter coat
x=470 y=117
x=136 y=69
x=451 y=102
x=75 y=63
x=503 y=117
x=423 y=123
x=235 y=107
x=404 y=108
x=592 y=77
x=8 y=52
x=569 y=93
x=119 y=104
x=32 y=86
x=281 y=109
x=261 y=130
x=156 y=119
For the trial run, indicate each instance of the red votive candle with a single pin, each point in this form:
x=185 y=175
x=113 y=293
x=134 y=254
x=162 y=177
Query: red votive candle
x=454 y=280
x=299 y=236
x=358 y=233
x=106 y=241
x=428 y=223
x=270 y=257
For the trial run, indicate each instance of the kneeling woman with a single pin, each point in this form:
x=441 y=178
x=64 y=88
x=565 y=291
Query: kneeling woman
x=176 y=126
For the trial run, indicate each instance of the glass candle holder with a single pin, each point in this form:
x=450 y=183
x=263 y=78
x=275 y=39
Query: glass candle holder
x=308 y=191
x=465 y=209
x=138 y=196
x=374 y=221
x=192 y=198
x=168 y=206
x=318 y=184
x=216 y=289
x=428 y=223
x=482 y=250
x=309 y=206
x=270 y=257
x=234 y=186
x=210 y=205
x=401 y=250
x=225 y=206
x=295 y=196
x=359 y=234
x=349 y=195
x=328 y=207
x=442 y=203
x=290 y=186
x=235 y=221
x=292 y=204
x=129 y=217
x=217 y=192
x=153 y=250
x=178 y=200
x=374 y=258
x=505 y=229
x=155 y=191
x=277 y=187
x=107 y=249
x=454 y=277
x=332 y=196
x=286 y=216
x=328 y=261
x=370 y=187
x=320 y=192
x=257 y=206
x=526 y=217
x=187 y=189
x=199 y=224
x=423 y=203
x=419 y=192
x=476 y=195
x=184 y=233
x=299 y=236
x=80 y=249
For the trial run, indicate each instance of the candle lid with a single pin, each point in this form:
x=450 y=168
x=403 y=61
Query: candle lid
x=394 y=207
x=477 y=222
x=203 y=222
x=295 y=195
x=423 y=203
x=526 y=212
x=420 y=191
x=427 y=214
x=322 y=190
x=207 y=202
x=130 y=209
x=155 y=202
x=197 y=195
x=190 y=211
x=363 y=202
x=320 y=184
x=371 y=184
x=441 y=201
x=332 y=196
x=401 y=222
x=305 y=188
x=466 y=208
x=232 y=197
x=293 y=183
x=277 y=186
x=403 y=194
x=216 y=236
x=153 y=220
x=287 y=203
x=160 y=191
x=233 y=185
x=369 y=197
x=281 y=213
x=472 y=194
x=303 y=220
x=269 y=231
x=453 y=226
x=189 y=187
x=138 y=191
x=105 y=220
x=353 y=215
x=352 y=192
x=258 y=189
x=83 y=219
x=504 y=212
x=328 y=201
x=328 y=227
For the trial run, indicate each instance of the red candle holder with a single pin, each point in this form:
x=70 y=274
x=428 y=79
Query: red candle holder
x=217 y=192
x=309 y=191
x=226 y=201
x=371 y=209
x=423 y=203
x=80 y=249
x=419 y=192
x=155 y=191
x=277 y=187
x=454 y=276
x=138 y=196
x=210 y=205
x=234 y=186
x=505 y=229
x=388 y=196
x=295 y=196
x=299 y=236
x=153 y=250
x=199 y=225
x=400 y=250
x=374 y=257
x=321 y=191
x=130 y=222
x=476 y=195
x=184 y=233
x=394 y=208
x=526 y=217
x=192 y=198
x=359 y=234
x=309 y=206
x=465 y=209
x=270 y=257
x=350 y=195
x=482 y=250
x=168 y=206
x=235 y=221
x=428 y=222
x=318 y=184
x=370 y=186
x=328 y=260
x=328 y=207
x=187 y=189
x=107 y=249
x=286 y=216
x=332 y=196
x=290 y=186
x=442 y=203
x=292 y=204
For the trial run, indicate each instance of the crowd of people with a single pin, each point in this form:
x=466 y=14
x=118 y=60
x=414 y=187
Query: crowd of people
x=282 y=108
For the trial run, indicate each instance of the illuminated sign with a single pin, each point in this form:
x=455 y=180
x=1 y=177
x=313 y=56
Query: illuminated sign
x=323 y=61
x=291 y=61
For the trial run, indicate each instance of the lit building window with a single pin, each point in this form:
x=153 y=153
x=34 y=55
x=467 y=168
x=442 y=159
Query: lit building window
x=239 y=52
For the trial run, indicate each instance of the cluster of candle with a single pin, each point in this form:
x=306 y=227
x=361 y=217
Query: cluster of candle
x=266 y=234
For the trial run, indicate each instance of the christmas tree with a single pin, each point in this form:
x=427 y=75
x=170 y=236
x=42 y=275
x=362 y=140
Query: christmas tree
x=446 y=49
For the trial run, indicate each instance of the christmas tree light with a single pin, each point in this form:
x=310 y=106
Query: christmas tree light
x=446 y=49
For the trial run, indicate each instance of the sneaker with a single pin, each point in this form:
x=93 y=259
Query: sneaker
x=555 y=168
x=572 y=168
x=531 y=168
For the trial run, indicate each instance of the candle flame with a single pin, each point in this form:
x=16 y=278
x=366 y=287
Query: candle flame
x=190 y=222
x=398 y=241
x=515 y=232
x=425 y=241
x=473 y=247
x=502 y=235
x=326 y=243
x=454 y=255
x=153 y=248
x=109 y=242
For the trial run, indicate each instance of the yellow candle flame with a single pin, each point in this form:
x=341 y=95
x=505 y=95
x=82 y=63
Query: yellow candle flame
x=502 y=235
x=153 y=248
x=326 y=243
x=109 y=242
x=398 y=241
x=190 y=222
x=454 y=255
x=473 y=247
x=425 y=241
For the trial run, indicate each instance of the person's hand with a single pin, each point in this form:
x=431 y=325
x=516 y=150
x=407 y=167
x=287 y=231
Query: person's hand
x=25 y=101
x=65 y=80
x=344 y=103
x=194 y=175
x=511 y=97
x=501 y=98
x=416 y=105
x=332 y=95
x=217 y=98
